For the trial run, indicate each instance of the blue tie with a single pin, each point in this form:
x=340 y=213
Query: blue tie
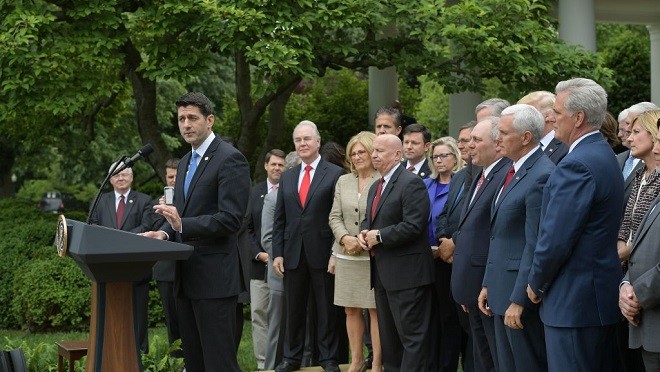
x=628 y=167
x=191 y=172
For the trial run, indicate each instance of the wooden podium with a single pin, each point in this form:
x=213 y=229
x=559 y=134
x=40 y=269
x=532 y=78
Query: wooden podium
x=113 y=260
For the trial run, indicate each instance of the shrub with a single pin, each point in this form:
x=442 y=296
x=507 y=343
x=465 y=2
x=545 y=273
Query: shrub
x=27 y=235
x=51 y=294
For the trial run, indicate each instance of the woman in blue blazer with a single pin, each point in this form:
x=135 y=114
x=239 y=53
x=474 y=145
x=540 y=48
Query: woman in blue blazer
x=446 y=335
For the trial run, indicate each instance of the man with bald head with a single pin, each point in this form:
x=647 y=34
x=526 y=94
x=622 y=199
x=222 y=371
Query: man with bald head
x=395 y=231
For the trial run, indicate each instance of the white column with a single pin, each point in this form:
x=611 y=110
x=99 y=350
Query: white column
x=577 y=23
x=461 y=110
x=383 y=90
x=383 y=84
x=654 y=35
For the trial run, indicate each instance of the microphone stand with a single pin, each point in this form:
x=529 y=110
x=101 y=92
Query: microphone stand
x=111 y=173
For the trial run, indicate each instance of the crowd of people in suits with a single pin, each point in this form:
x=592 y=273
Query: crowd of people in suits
x=526 y=243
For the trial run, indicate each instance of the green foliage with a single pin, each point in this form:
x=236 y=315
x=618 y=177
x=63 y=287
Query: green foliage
x=432 y=110
x=39 y=357
x=51 y=294
x=159 y=359
x=626 y=50
x=337 y=103
x=28 y=234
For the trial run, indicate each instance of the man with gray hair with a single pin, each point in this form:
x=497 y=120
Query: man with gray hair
x=302 y=242
x=514 y=223
x=575 y=271
x=472 y=237
x=490 y=107
x=128 y=210
x=630 y=165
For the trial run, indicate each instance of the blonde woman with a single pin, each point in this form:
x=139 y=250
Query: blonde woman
x=351 y=263
x=446 y=335
x=646 y=186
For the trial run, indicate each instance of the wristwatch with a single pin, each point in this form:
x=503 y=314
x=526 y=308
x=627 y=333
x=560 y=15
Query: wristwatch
x=378 y=238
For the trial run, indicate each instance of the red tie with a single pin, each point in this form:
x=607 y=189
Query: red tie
x=509 y=177
x=411 y=168
x=120 y=210
x=479 y=183
x=379 y=190
x=304 y=185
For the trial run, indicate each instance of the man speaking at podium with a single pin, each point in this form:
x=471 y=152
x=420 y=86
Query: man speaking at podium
x=210 y=199
x=129 y=210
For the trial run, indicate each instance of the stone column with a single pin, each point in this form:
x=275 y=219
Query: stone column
x=383 y=90
x=654 y=36
x=383 y=84
x=577 y=23
x=461 y=110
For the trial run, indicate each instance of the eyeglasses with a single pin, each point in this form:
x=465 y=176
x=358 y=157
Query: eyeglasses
x=442 y=156
x=359 y=153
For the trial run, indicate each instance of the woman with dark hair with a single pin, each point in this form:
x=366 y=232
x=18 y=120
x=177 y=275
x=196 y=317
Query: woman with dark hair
x=609 y=131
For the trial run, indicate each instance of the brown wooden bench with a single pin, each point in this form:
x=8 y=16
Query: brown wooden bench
x=72 y=351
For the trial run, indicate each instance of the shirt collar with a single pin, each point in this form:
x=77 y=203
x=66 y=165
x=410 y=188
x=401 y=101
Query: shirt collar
x=117 y=195
x=580 y=139
x=417 y=166
x=545 y=141
x=522 y=160
x=490 y=167
x=201 y=150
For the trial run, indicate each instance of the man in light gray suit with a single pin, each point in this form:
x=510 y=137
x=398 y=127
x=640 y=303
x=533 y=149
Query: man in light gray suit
x=639 y=293
x=276 y=319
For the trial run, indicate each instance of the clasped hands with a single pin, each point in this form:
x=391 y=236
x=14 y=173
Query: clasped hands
x=368 y=239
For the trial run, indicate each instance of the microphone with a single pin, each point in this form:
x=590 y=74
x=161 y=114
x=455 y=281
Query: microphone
x=143 y=152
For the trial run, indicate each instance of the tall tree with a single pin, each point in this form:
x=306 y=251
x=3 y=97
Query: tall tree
x=68 y=61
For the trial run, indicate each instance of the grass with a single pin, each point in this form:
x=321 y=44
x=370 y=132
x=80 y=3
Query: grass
x=41 y=354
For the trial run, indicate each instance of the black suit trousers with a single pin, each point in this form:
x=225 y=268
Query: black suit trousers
x=297 y=284
x=404 y=318
x=166 y=291
x=208 y=324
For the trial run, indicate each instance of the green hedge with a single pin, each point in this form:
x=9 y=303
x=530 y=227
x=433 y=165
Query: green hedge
x=39 y=290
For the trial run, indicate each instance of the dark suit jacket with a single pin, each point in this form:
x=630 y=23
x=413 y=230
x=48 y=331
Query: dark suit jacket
x=473 y=237
x=514 y=225
x=294 y=225
x=259 y=191
x=138 y=214
x=163 y=271
x=404 y=259
x=627 y=186
x=644 y=275
x=556 y=150
x=424 y=170
x=447 y=221
x=576 y=268
x=211 y=218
